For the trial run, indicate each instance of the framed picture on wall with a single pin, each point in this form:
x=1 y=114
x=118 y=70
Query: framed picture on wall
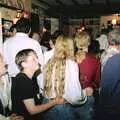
x=19 y=4
x=6 y=27
x=3 y=1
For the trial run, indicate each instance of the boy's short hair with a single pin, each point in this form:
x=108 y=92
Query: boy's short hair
x=21 y=57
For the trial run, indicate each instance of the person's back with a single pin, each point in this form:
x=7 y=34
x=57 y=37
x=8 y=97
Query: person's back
x=20 y=41
x=109 y=94
x=113 y=49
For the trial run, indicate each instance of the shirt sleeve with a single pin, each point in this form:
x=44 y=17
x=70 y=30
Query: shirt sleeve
x=39 y=52
x=73 y=91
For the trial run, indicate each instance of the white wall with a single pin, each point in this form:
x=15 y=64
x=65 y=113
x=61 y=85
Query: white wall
x=7 y=14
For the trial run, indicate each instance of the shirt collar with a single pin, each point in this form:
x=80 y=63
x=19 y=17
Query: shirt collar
x=21 y=34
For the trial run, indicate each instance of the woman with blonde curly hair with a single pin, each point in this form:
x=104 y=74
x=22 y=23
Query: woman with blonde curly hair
x=89 y=67
x=61 y=78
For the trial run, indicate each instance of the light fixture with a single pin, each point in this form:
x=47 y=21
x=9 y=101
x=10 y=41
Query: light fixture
x=19 y=13
x=18 y=16
x=114 y=21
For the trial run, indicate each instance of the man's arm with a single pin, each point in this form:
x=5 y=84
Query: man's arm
x=34 y=109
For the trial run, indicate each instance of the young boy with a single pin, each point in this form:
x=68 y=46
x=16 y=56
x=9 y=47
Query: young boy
x=26 y=99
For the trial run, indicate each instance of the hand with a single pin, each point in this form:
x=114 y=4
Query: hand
x=15 y=117
x=89 y=91
x=57 y=100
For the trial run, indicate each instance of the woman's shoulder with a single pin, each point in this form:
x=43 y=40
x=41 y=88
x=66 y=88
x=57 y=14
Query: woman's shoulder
x=71 y=62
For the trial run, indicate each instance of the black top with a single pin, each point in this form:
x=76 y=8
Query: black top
x=23 y=88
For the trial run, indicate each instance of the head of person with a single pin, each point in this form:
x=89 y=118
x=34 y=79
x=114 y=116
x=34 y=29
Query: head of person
x=94 y=47
x=23 y=25
x=27 y=60
x=70 y=50
x=82 y=41
x=62 y=46
x=54 y=37
x=12 y=30
x=114 y=37
x=3 y=67
x=104 y=32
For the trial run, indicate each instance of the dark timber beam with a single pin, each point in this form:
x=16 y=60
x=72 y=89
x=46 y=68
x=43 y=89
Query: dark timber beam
x=45 y=3
x=76 y=2
x=9 y=7
x=91 y=2
x=60 y=3
x=107 y=3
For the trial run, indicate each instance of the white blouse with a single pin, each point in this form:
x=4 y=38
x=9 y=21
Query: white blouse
x=73 y=92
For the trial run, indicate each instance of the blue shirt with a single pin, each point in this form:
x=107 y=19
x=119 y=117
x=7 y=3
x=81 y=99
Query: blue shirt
x=110 y=85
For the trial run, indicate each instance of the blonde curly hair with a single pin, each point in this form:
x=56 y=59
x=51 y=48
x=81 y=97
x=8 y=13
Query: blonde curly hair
x=82 y=41
x=57 y=63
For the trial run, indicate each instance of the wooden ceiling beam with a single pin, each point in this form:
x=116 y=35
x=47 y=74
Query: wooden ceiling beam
x=76 y=2
x=91 y=2
x=45 y=3
x=107 y=3
x=60 y=3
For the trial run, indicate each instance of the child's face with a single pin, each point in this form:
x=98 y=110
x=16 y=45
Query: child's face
x=3 y=69
x=32 y=62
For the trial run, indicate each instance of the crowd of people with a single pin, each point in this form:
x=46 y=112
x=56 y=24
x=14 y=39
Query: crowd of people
x=78 y=79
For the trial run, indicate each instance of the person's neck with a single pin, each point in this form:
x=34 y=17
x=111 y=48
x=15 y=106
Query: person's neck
x=28 y=73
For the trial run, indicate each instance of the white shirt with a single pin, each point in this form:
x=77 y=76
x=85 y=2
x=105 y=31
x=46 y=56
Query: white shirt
x=15 y=44
x=72 y=90
x=48 y=55
x=103 y=41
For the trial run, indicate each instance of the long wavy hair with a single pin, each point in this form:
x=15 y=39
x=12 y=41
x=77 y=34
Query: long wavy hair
x=57 y=65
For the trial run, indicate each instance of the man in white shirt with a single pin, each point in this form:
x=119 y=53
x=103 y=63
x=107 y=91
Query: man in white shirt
x=103 y=40
x=19 y=42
